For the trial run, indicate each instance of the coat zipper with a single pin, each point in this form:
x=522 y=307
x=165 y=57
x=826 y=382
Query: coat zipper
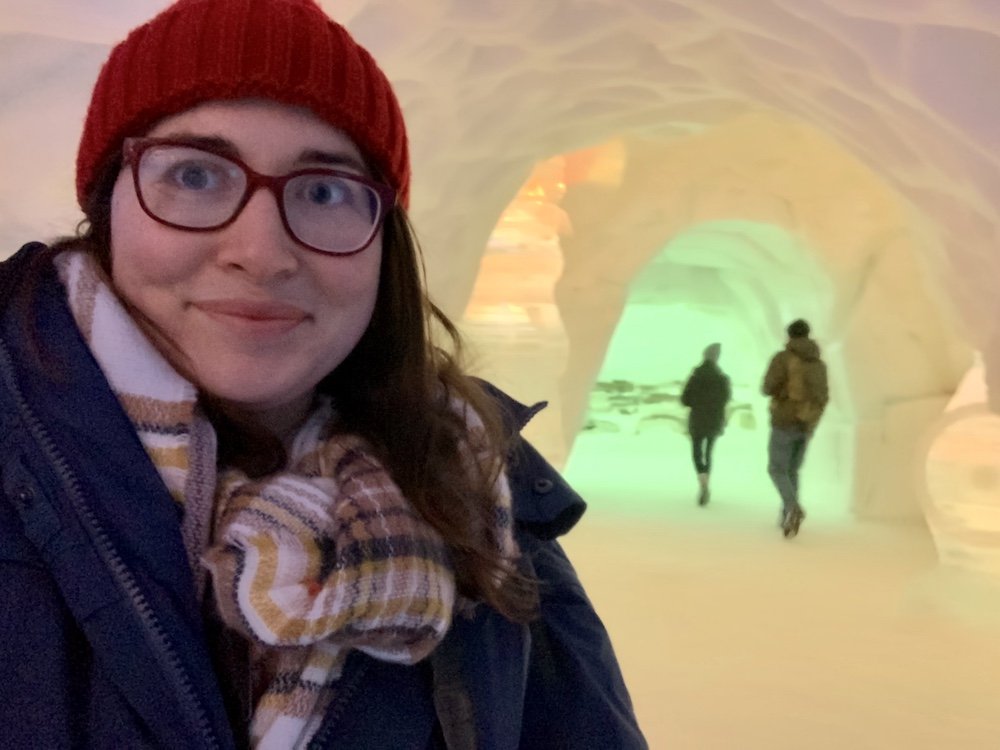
x=112 y=559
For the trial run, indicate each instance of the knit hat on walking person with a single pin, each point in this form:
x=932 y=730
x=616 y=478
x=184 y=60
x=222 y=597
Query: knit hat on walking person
x=712 y=352
x=288 y=51
x=798 y=329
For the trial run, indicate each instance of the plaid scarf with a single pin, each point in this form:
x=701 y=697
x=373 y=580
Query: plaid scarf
x=308 y=563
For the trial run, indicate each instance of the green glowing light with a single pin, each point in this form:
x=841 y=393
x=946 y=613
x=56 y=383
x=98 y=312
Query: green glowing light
x=738 y=284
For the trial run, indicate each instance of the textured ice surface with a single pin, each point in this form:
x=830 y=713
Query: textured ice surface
x=490 y=87
x=865 y=131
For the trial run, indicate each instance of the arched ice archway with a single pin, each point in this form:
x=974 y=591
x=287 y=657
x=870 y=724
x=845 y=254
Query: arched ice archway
x=853 y=265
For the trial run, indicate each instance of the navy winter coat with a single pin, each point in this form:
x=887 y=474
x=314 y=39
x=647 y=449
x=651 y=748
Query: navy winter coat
x=102 y=643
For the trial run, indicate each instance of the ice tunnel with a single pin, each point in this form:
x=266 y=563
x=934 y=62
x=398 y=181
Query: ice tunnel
x=838 y=123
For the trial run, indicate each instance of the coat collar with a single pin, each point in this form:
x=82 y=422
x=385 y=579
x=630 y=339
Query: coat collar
x=544 y=503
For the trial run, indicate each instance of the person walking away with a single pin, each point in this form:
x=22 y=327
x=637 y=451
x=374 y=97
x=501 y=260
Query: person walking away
x=796 y=382
x=706 y=394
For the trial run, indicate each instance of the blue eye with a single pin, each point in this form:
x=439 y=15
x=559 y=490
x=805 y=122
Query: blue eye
x=326 y=193
x=194 y=177
x=326 y=196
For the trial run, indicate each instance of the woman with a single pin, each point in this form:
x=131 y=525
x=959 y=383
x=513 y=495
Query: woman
x=706 y=393
x=245 y=501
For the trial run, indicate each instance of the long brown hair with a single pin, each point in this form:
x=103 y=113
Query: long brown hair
x=395 y=389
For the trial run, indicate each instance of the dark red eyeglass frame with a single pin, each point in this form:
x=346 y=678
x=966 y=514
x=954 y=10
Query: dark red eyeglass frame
x=133 y=149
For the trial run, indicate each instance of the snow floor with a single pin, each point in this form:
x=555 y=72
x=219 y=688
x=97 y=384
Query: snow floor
x=849 y=636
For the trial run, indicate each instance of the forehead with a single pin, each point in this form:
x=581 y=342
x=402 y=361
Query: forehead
x=260 y=129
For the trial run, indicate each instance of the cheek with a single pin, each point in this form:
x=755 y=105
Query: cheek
x=133 y=236
x=349 y=296
x=371 y=285
x=144 y=253
x=122 y=216
x=351 y=282
x=126 y=229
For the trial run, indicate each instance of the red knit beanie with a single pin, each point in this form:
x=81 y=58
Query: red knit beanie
x=285 y=50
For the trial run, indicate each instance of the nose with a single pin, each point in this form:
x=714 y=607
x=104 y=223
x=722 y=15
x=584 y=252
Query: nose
x=256 y=243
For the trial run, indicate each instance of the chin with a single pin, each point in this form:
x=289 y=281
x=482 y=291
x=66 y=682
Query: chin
x=257 y=399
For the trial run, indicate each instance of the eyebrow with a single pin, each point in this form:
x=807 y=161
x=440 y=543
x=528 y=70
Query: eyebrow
x=225 y=147
x=212 y=143
x=335 y=159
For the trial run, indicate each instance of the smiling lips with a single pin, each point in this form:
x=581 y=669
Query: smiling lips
x=249 y=316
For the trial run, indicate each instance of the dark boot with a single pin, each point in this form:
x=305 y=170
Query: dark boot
x=703 y=493
x=792 y=521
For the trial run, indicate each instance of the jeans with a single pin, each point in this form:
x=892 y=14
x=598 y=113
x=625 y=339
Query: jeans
x=701 y=452
x=785 y=452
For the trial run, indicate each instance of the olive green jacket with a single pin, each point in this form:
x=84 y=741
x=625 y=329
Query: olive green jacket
x=796 y=382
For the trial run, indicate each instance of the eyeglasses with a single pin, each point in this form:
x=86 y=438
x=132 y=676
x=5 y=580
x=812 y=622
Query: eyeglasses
x=196 y=189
